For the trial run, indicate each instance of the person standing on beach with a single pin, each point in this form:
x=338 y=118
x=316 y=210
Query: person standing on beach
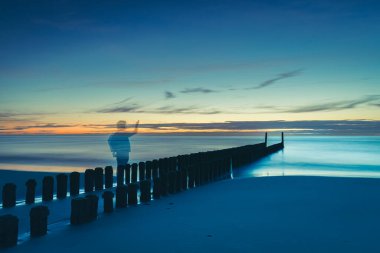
x=119 y=142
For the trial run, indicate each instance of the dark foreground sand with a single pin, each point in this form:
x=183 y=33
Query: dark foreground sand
x=270 y=214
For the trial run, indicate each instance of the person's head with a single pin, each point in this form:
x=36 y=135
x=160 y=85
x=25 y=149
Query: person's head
x=121 y=124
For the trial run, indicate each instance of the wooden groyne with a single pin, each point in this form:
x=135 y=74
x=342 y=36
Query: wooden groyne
x=134 y=182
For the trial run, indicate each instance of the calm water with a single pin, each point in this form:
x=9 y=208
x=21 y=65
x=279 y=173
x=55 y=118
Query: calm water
x=311 y=155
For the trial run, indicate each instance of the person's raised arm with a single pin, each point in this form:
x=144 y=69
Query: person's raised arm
x=136 y=128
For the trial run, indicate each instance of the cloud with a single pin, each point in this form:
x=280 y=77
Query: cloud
x=324 y=127
x=279 y=77
x=334 y=106
x=169 y=95
x=47 y=125
x=121 y=108
x=198 y=90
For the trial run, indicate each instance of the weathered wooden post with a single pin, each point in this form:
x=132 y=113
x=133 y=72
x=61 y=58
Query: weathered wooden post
x=47 y=188
x=61 y=186
x=282 y=139
x=128 y=174
x=266 y=139
x=120 y=175
x=141 y=171
x=99 y=179
x=109 y=177
x=145 y=191
x=132 y=194
x=74 y=183
x=148 y=170
x=108 y=201
x=89 y=180
x=38 y=220
x=8 y=230
x=155 y=168
x=77 y=211
x=121 y=196
x=172 y=182
x=156 y=188
x=30 y=191
x=9 y=195
x=91 y=207
x=134 y=173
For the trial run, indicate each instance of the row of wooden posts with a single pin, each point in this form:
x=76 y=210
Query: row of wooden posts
x=137 y=181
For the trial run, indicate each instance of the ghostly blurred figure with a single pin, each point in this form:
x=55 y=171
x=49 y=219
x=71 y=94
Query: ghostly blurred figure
x=119 y=142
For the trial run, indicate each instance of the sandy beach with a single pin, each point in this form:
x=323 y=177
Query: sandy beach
x=267 y=214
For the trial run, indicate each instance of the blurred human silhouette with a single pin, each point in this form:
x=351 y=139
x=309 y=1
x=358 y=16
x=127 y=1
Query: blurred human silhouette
x=119 y=142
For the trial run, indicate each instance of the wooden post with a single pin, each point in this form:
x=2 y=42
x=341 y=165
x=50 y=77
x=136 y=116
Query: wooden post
x=74 y=183
x=61 y=186
x=99 y=178
x=89 y=180
x=148 y=170
x=132 y=194
x=145 y=191
x=266 y=139
x=128 y=174
x=109 y=177
x=156 y=188
x=134 y=173
x=9 y=195
x=47 y=188
x=141 y=171
x=108 y=201
x=121 y=196
x=120 y=175
x=8 y=230
x=91 y=207
x=38 y=220
x=155 y=168
x=30 y=191
x=282 y=138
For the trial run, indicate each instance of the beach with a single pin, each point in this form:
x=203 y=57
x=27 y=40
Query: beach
x=266 y=214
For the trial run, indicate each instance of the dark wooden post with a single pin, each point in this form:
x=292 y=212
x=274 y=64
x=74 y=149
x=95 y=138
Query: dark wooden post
x=134 y=173
x=109 y=177
x=9 y=195
x=156 y=188
x=38 y=220
x=91 y=207
x=155 y=168
x=282 y=138
x=47 y=188
x=74 y=183
x=141 y=171
x=128 y=174
x=120 y=175
x=172 y=182
x=89 y=180
x=99 y=179
x=121 y=196
x=77 y=211
x=266 y=139
x=108 y=201
x=61 y=186
x=8 y=230
x=132 y=194
x=30 y=191
x=145 y=191
x=148 y=170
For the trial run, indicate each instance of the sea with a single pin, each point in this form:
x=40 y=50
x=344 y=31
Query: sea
x=337 y=156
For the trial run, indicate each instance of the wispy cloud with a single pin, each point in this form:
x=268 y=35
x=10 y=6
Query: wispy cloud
x=169 y=95
x=198 y=90
x=47 y=125
x=279 y=77
x=334 y=106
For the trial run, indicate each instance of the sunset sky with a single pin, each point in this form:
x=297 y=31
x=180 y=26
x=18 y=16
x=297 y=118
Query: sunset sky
x=207 y=66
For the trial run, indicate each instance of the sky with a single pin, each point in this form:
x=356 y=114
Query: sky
x=190 y=66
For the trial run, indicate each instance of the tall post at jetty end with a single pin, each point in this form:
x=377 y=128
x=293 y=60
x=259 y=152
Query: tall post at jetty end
x=282 y=139
x=266 y=139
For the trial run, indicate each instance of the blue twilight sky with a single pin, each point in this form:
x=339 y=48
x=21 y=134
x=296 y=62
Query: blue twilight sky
x=79 y=66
